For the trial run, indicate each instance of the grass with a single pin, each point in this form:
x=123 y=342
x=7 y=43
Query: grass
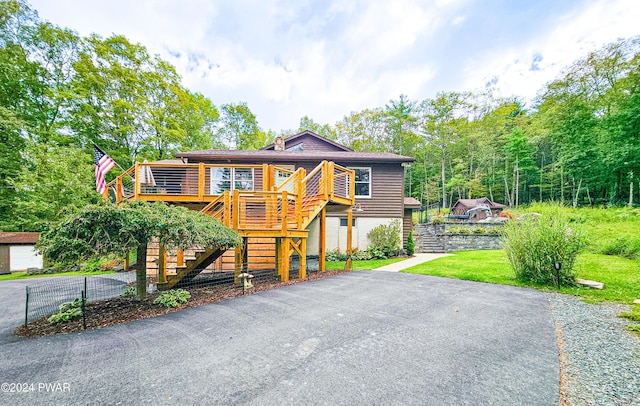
x=621 y=276
x=362 y=265
x=23 y=275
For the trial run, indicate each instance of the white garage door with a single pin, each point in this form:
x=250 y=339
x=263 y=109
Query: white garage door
x=23 y=257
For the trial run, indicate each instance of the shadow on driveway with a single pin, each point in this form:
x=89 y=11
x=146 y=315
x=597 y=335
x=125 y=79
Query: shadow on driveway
x=356 y=338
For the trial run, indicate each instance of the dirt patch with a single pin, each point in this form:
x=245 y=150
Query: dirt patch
x=125 y=309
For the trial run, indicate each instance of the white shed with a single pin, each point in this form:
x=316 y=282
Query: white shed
x=17 y=252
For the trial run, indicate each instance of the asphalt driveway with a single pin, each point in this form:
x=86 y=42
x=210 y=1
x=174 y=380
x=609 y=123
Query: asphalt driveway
x=358 y=338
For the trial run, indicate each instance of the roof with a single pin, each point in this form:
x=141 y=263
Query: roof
x=286 y=156
x=411 y=203
x=19 y=238
x=307 y=133
x=482 y=200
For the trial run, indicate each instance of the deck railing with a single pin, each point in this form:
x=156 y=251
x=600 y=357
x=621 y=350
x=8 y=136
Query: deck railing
x=241 y=196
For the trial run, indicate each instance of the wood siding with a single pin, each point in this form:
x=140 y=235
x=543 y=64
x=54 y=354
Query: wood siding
x=387 y=191
x=407 y=225
x=311 y=144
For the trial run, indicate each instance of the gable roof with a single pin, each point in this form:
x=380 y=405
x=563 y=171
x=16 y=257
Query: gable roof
x=307 y=133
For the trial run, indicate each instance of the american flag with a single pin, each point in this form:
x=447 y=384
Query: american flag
x=103 y=164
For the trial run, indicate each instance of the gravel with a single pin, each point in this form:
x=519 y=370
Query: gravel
x=600 y=358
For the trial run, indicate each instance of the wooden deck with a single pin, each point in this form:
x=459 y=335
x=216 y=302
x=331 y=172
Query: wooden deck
x=261 y=202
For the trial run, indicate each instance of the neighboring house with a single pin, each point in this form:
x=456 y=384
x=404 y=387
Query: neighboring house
x=17 y=252
x=476 y=209
x=379 y=183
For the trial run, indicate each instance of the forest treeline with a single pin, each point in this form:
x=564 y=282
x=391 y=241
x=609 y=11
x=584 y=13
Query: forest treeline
x=60 y=93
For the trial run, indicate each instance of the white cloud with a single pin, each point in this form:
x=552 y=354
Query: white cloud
x=289 y=58
x=576 y=34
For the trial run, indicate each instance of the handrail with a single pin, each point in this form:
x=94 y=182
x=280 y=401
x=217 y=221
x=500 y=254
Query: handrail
x=314 y=171
x=291 y=178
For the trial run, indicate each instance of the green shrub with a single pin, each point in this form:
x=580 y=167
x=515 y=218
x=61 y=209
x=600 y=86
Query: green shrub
x=68 y=311
x=411 y=246
x=386 y=237
x=623 y=247
x=457 y=230
x=479 y=230
x=533 y=246
x=173 y=298
x=437 y=220
x=130 y=291
x=377 y=253
x=335 y=256
x=358 y=255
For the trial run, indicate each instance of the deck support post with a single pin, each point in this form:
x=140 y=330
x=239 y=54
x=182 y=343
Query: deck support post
x=348 y=266
x=302 y=271
x=284 y=253
x=322 y=249
x=237 y=262
x=162 y=264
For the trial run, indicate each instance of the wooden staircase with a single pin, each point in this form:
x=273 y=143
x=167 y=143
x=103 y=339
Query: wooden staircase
x=282 y=213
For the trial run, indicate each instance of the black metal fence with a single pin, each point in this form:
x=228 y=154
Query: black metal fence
x=44 y=297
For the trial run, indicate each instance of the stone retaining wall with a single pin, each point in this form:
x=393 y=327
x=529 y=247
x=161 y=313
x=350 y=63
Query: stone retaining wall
x=433 y=238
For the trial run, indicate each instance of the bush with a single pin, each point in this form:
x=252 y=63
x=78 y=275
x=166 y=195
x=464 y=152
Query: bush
x=623 y=247
x=377 y=253
x=68 y=311
x=335 y=256
x=411 y=246
x=386 y=237
x=457 y=230
x=437 y=220
x=533 y=246
x=358 y=255
x=173 y=298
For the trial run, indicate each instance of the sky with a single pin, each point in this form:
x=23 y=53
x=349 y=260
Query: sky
x=325 y=59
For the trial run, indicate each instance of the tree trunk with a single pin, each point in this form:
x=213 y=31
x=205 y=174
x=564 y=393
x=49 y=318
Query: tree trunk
x=141 y=271
x=577 y=194
x=631 y=189
x=444 y=186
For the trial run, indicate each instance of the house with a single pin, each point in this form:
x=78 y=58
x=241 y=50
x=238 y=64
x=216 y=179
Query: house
x=475 y=209
x=305 y=192
x=17 y=252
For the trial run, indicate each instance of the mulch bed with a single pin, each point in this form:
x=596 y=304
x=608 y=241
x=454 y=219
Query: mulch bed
x=125 y=309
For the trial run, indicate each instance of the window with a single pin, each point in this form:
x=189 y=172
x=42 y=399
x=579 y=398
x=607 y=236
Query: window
x=223 y=179
x=343 y=222
x=362 y=182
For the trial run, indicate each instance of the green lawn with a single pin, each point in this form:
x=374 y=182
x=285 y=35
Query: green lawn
x=23 y=275
x=362 y=265
x=620 y=276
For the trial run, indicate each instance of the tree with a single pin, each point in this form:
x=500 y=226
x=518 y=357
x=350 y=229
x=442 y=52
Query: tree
x=324 y=130
x=364 y=131
x=238 y=127
x=400 y=123
x=53 y=179
x=441 y=123
x=103 y=229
